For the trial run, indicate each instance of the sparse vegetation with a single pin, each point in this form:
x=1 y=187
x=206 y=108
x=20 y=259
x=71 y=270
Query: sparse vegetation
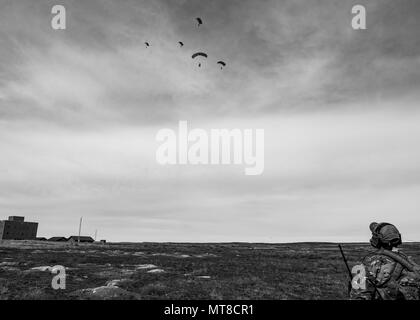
x=185 y=271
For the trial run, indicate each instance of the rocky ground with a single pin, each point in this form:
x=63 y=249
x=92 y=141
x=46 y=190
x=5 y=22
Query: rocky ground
x=178 y=271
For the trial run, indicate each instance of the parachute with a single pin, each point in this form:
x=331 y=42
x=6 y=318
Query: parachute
x=222 y=63
x=195 y=55
x=199 y=21
x=199 y=54
x=181 y=43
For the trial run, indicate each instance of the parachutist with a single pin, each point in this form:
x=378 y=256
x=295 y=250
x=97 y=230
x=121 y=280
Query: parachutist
x=222 y=64
x=198 y=54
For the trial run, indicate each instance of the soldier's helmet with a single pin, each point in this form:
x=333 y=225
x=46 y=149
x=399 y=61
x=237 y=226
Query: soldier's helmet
x=384 y=235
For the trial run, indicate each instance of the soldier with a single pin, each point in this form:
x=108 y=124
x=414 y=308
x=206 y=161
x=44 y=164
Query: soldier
x=387 y=273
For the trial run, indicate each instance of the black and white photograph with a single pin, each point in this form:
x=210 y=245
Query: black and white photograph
x=223 y=151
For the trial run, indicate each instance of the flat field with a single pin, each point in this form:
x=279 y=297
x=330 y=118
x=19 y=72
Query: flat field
x=179 y=270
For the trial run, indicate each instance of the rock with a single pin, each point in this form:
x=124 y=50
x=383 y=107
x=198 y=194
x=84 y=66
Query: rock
x=105 y=293
x=206 y=255
x=42 y=268
x=8 y=264
x=156 y=271
x=113 y=283
x=11 y=269
x=37 y=251
x=118 y=282
x=146 y=266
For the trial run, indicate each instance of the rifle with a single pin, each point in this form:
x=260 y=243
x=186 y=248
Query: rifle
x=351 y=275
x=348 y=268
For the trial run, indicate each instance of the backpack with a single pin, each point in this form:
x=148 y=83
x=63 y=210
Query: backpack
x=403 y=260
x=409 y=288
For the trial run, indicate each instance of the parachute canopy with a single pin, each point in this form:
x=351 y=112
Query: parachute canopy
x=199 y=21
x=222 y=63
x=199 y=54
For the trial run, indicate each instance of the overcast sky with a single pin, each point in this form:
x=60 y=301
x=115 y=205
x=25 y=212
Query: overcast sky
x=80 y=108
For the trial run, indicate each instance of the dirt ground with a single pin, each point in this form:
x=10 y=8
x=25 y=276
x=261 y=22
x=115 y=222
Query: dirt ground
x=179 y=271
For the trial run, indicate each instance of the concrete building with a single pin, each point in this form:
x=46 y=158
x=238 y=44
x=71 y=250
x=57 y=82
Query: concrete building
x=58 y=239
x=17 y=229
x=82 y=239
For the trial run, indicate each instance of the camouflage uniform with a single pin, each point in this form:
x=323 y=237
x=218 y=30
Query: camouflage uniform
x=392 y=280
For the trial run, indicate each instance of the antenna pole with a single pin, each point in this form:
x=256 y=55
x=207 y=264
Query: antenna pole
x=80 y=229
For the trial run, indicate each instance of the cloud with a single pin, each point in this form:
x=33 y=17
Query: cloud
x=282 y=56
x=79 y=110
